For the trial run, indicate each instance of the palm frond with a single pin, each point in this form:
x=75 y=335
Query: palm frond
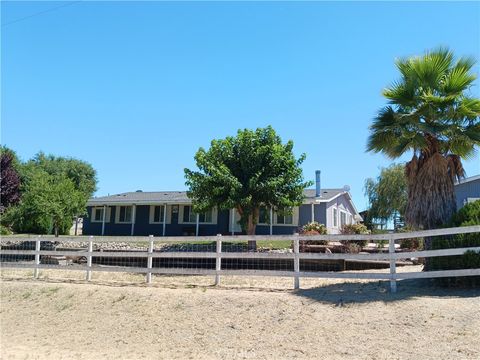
x=457 y=80
x=455 y=167
x=432 y=67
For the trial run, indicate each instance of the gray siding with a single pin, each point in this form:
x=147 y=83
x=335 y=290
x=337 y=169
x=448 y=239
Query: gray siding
x=470 y=189
x=341 y=203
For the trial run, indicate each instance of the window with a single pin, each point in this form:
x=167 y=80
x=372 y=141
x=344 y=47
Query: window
x=188 y=215
x=97 y=214
x=335 y=217
x=191 y=217
x=264 y=215
x=124 y=214
x=157 y=213
x=284 y=218
x=343 y=218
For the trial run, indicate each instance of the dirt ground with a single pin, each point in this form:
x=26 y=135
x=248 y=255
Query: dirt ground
x=185 y=317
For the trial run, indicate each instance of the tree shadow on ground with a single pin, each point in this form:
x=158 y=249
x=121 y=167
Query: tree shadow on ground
x=367 y=292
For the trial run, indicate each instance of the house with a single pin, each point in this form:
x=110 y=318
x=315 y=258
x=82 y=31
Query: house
x=169 y=213
x=467 y=190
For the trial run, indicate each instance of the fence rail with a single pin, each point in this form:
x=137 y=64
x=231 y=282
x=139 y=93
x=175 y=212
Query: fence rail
x=217 y=255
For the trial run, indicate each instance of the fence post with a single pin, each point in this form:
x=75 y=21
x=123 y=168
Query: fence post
x=393 y=265
x=296 y=263
x=150 y=259
x=89 y=258
x=218 y=259
x=37 y=257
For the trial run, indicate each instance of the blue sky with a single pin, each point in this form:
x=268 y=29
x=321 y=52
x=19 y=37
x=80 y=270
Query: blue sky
x=136 y=88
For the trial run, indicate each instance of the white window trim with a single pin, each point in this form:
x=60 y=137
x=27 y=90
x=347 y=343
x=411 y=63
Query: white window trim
x=340 y=218
x=295 y=217
x=180 y=217
x=117 y=215
x=334 y=209
x=152 y=213
x=107 y=217
x=349 y=218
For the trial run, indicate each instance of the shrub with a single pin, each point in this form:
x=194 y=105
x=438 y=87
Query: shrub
x=355 y=229
x=314 y=228
x=5 y=230
x=467 y=215
x=410 y=243
x=353 y=248
x=350 y=229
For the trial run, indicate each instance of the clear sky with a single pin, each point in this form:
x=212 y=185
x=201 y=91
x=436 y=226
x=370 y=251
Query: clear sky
x=136 y=88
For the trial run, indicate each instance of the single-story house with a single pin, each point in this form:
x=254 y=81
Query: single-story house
x=169 y=213
x=467 y=190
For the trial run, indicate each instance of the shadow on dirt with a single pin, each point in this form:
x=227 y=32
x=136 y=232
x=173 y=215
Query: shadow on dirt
x=357 y=292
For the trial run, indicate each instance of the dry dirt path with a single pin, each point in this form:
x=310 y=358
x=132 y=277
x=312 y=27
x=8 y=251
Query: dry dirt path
x=65 y=320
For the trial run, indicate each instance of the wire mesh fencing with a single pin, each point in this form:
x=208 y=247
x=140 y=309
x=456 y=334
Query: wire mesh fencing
x=375 y=257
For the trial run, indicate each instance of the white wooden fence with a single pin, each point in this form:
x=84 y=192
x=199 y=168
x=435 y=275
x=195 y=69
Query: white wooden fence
x=392 y=256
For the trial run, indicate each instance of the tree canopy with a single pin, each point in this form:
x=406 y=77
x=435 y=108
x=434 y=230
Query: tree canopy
x=53 y=191
x=433 y=115
x=245 y=172
x=387 y=194
x=9 y=179
x=81 y=173
x=49 y=203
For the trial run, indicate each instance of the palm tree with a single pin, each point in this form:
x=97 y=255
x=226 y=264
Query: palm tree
x=432 y=114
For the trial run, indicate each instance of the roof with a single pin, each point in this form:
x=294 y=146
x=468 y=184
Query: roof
x=326 y=194
x=141 y=197
x=180 y=197
x=471 y=178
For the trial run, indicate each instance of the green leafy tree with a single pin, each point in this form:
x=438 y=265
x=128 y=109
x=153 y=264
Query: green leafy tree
x=245 y=172
x=387 y=194
x=82 y=174
x=432 y=115
x=52 y=199
x=54 y=191
x=49 y=203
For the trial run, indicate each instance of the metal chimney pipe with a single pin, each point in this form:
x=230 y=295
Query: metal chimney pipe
x=318 y=192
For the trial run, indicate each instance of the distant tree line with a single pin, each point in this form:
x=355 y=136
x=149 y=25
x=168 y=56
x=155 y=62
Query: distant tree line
x=44 y=194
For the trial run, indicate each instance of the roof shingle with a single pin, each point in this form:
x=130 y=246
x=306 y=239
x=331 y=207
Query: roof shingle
x=180 y=197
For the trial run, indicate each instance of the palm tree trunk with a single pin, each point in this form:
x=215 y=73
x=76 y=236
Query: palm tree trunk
x=431 y=195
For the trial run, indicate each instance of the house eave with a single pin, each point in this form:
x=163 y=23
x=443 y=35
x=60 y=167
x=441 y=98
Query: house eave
x=142 y=202
x=469 y=179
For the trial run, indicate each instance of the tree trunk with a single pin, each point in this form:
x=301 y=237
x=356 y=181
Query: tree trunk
x=251 y=227
x=431 y=195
